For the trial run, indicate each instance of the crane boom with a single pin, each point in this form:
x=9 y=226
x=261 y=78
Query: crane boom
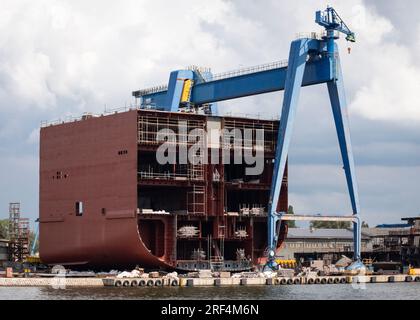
x=237 y=85
x=330 y=20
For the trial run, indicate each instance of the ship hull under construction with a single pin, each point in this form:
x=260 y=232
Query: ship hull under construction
x=106 y=202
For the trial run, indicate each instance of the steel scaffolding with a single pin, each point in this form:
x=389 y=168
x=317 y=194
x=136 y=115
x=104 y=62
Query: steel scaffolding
x=18 y=234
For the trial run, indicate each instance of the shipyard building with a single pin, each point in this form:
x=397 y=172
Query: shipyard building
x=106 y=201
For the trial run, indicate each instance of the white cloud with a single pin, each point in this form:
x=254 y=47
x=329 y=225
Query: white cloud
x=28 y=79
x=96 y=53
x=33 y=137
x=393 y=86
x=387 y=73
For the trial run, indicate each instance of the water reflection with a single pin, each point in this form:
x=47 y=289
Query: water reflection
x=402 y=291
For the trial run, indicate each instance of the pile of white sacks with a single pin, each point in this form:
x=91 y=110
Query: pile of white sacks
x=132 y=274
x=174 y=275
x=139 y=274
x=265 y=274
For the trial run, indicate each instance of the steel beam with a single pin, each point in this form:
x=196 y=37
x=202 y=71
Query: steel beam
x=273 y=80
x=258 y=83
x=295 y=71
x=339 y=108
x=295 y=217
x=318 y=70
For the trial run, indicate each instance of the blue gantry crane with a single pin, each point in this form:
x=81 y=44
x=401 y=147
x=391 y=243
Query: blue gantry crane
x=314 y=59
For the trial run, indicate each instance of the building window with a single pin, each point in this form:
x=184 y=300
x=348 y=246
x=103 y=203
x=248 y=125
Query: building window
x=60 y=175
x=79 y=208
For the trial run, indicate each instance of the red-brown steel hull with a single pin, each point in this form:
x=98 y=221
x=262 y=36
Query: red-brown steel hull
x=94 y=161
x=80 y=161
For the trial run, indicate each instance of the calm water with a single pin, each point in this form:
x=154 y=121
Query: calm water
x=402 y=291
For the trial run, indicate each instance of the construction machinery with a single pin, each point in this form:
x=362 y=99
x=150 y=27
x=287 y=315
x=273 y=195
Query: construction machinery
x=314 y=59
x=35 y=240
x=33 y=259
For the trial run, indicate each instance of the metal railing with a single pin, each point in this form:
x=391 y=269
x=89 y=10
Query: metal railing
x=85 y=116
x=199 y=69
x=316 y=35
x=219 y=76
x=309 y=35
x=256 y=116
x=248 y=70
x=197 y=174
x=151 y=90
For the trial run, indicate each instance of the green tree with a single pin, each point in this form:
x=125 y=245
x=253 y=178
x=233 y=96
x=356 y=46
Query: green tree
x=291 y=224
x=4 y=226
x=365 y=224
x=3 y=229
x=330 y=225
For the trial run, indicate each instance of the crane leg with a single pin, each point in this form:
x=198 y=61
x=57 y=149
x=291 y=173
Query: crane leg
x=339 y=108
x=175 y=88
x=294 y=78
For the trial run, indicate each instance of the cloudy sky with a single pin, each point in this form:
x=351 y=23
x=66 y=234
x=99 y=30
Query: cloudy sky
x=60 y=58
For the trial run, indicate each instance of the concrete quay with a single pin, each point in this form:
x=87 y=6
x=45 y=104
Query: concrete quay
x=51 y=282
x=209 y=282
x=202 y=282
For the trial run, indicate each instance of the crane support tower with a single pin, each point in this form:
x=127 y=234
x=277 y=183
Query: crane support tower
x=314 y=59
